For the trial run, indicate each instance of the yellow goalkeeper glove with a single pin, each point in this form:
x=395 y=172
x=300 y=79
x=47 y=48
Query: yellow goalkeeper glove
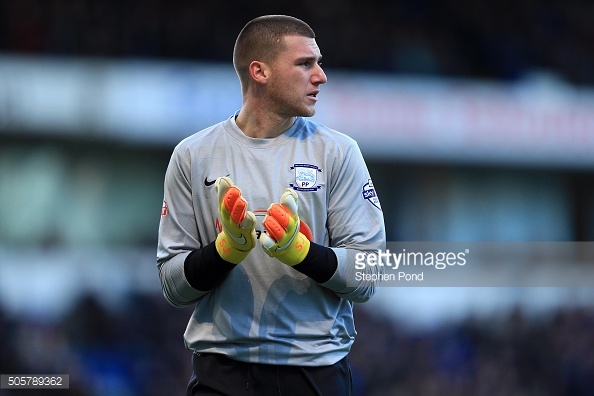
x=238 y=236
x=288 y=237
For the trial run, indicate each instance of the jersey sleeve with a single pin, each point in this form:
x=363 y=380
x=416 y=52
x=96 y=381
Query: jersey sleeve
x=178 y=232
x=356 y=226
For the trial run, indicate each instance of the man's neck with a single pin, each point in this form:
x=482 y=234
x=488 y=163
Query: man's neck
x=262 y=125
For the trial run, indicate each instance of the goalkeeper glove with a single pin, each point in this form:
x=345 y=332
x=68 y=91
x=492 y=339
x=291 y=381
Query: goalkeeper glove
x=238 y=236
x=288 y=237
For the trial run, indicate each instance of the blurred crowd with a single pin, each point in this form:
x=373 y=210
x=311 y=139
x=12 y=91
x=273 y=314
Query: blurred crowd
x=515 y=355
x=137 y=349
x=482 y=39
x=134 y=349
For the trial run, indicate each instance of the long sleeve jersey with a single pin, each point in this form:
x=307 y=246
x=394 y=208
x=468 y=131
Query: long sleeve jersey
x=264 y=311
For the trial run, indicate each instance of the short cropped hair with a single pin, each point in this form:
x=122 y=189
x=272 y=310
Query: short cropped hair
x=262 y=39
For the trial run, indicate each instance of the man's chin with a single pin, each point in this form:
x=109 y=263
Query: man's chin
x=301 y=112
x=308 y=112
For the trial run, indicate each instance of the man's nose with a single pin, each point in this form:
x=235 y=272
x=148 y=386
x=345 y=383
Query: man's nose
x=319 y=76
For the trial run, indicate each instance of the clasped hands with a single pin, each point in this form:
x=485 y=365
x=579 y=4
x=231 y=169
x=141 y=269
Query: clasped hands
x=287 y=237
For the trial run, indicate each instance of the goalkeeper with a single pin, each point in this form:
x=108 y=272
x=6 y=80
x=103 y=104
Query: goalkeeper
x=263 y=215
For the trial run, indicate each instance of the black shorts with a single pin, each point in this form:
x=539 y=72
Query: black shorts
x=216 y=374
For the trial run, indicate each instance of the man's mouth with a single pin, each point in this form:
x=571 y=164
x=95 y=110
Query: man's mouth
x=314 y=94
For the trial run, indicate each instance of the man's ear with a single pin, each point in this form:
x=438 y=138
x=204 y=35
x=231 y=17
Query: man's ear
x=259 y=71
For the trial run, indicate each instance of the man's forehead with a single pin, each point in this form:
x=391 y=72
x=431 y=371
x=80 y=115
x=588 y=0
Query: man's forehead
x=305 y=46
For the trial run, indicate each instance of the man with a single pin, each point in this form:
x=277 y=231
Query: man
x=275 y=318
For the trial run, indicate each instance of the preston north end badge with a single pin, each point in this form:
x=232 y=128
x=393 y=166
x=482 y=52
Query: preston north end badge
x=306 y=177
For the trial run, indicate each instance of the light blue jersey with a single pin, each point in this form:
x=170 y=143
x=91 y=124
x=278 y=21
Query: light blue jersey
x=265 y=311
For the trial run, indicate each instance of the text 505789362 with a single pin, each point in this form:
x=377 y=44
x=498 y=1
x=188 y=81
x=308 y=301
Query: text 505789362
x=34 y=381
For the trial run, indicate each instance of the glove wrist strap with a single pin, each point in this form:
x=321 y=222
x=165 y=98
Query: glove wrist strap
x=227 y=251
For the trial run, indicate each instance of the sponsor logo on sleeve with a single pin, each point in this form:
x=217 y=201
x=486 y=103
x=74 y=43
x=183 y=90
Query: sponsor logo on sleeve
x=370 y=195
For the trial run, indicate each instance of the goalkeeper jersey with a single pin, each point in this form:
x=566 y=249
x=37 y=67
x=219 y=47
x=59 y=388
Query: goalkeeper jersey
x=265 y=311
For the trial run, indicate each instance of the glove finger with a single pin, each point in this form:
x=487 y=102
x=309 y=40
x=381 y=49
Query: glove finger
x=280 y=213
x=273 y=227
x=235 y=204
x=249 y=221
x=267 y=243
x=222 y=185
x=289 y=199
x=230 y=196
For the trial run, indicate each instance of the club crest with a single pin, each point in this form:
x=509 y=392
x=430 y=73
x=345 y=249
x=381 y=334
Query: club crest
x=370 y=195
x=306 y=177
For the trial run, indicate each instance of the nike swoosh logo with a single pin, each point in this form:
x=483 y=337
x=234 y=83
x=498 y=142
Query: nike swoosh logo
x=209 y=183
x=238 y=239
x=286 y=245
